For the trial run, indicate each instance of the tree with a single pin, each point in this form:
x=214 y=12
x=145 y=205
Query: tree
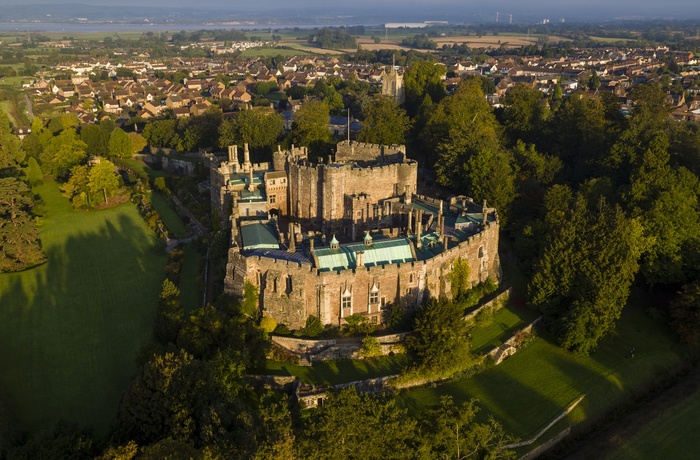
x=385 y=122
x=259 y=128
x=311 y=126
x=11 y=155
x=352 y=425
x=451 y=431
x=96 y=139
x=33 y=172
x=525 y=113
x=77 y=187
x=467 y=146
x=439 y=340
x=19 y=240
x=119 y=145
x=103 y=179
x=63 y=152
x=583 y=277
x=685 y=313
x=423 y=78
x=138 y=143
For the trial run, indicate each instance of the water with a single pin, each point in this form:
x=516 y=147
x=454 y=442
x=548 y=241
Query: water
x=121 y=27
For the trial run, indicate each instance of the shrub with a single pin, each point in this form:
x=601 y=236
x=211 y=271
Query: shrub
x=268 y=324
x=370 y=347
x=313 y=326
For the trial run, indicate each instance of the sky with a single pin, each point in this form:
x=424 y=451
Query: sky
x=678 y=9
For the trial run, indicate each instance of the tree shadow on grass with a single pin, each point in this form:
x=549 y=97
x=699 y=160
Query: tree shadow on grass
x=72 y=328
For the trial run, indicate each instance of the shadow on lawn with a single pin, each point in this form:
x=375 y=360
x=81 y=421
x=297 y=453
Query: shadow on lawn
x=72 y=328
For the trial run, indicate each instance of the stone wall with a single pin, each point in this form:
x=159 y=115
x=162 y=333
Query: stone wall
x=318 y=193
x=182 y=167
x=359 y=151
x=513 y=344
x=492 y=305
x=290 y=291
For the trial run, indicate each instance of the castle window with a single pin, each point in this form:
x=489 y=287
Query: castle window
x=346 y=305
x=481 y=251
x=289 y=284
x=374 y=297
x=272 y=182
x=410 y=278
x=273 y=199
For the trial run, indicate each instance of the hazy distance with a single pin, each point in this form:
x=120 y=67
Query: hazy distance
x=453 y=10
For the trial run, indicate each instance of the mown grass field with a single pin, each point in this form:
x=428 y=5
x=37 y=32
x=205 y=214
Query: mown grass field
x=72 y=328
x=167 y=213
x=534 y=386
x=190 y=281
x=499 y=328
x=672 y=435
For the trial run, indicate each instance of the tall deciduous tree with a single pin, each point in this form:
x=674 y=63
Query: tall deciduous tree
x=119 y=145
x=63 y=152
x=352 y=425
x=423 y=78
x=103 y=179
x=311 y=126
x=466 y=139
x=385 y=122
x=450 y=431
x=259 y=128
x=11 y=155
x=525 y=113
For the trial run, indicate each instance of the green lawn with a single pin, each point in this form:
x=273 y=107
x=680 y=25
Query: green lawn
x=72 y=328
x=342 y=371
x=190 y=281
x=144 y=170
x=534 y=386
x=501 y=327
x=169 y=216
x=672 y=435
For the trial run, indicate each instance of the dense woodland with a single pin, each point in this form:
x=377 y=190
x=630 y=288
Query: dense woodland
x=591 y=200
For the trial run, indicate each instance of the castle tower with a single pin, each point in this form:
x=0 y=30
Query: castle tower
x=279 y=159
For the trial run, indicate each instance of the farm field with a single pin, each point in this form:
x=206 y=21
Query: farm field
x=73 y=327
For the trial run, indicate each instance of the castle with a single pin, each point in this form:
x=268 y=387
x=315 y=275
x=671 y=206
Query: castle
x=349 y=235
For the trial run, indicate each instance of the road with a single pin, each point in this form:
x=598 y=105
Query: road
x=30 y=110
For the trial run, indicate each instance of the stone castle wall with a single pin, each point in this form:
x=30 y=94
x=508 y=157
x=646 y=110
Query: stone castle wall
x=358 y=151
x=290 y=292
x=318 y=192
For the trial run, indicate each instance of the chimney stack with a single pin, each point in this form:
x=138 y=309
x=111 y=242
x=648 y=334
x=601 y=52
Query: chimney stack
x=359 y=259
x=233 y=154
x=292 y=240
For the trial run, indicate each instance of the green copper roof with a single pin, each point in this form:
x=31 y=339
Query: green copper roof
x=389 y=251
x=259 y=236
